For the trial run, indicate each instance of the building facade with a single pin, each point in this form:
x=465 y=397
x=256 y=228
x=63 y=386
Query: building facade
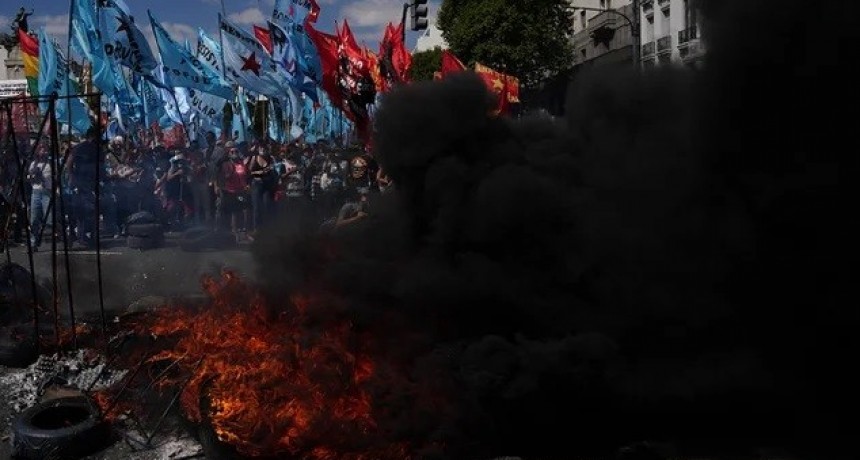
x=670 y=33
x=603 y=37
x=3 y=55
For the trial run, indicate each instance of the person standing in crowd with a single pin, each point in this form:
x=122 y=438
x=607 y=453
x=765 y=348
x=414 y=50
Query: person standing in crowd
x=124 y=174
x=199 y=185
x=81 y=167
x=332 y=185
x=264 y=182
x=176 y=191
x=294 y=184
x=232 y=187
x=40 y=175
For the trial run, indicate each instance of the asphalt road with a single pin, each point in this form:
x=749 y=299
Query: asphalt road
x=130 y=274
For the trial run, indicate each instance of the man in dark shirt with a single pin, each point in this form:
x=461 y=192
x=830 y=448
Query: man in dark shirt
x=83 y=173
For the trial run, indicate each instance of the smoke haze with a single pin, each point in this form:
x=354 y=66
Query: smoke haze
x=666 y=263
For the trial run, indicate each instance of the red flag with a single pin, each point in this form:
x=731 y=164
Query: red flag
x=394 y=56
x=264 y=37
x=347 y=39
x=450 y=64
x=326 y=45
x=505 y=87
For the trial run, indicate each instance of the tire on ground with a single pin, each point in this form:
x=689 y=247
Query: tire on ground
x=140 y=218
x=60 y=429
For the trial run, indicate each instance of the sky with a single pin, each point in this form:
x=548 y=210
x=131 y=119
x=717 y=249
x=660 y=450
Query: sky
x=181 y=18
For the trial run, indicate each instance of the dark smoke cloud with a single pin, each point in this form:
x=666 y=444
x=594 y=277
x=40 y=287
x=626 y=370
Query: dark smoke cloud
x=666 y=263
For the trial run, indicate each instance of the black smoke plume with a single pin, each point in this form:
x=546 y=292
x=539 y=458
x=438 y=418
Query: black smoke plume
x=671 y=262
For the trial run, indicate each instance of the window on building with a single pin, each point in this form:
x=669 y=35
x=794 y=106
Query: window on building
x=582 y=21
x=649 y=29
x=690 y=18
x=584 y=53
x=665 y=23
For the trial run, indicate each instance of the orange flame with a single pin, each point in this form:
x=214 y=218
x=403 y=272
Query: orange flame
x=277 y=383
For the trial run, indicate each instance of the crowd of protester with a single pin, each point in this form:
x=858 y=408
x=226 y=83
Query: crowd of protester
x=237 y=187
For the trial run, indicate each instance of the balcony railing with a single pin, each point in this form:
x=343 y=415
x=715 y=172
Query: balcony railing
x=603 y=21
x=664 y=44
x=648 y=49
x=688 y=34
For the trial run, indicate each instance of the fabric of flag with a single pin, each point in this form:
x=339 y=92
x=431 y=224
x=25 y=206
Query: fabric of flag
x=54 y=79
x=285 y=53
x=373 y=63
x=264 y=37
x=30 y=56
x=497 y=80
x=248 y=64
x=340 y=80
x=295 y=26
x=183 y=69
x=209 y=51
x=296 y=11
x=276 y=121
x=153 y=106
x=85 y=41
x=327 y=47
x=395 y=59
x=207 y=109
x=127 y=106
x=122 y=39
x=450 y=64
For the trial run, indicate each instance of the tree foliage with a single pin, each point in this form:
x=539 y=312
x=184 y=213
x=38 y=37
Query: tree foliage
x=531 y=40
x=425 y=63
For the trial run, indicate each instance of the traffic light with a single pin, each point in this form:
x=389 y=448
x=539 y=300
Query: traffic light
x=419 y=15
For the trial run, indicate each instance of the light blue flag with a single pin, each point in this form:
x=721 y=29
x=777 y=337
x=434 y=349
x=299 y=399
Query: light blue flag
x=275 y=130
x=207 y=109
x=286 y=53
x=209 y=51
x=54 y=79
x=122 y=39
x=85 y=41
x=296 y=11
x=246 y=62
x=246 y=118
x=153 y=106
x=181 y=68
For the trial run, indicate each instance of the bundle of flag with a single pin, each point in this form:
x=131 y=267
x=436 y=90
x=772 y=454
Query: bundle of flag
x=30 y=55
x=347 y=77
x=394 y=59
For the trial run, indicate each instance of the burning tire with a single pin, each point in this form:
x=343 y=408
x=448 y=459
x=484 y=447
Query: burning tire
x=64 y=428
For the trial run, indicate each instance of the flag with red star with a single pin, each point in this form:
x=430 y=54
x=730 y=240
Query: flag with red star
x=247 y=64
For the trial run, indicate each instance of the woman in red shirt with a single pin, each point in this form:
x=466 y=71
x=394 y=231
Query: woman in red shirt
x=232 y=190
